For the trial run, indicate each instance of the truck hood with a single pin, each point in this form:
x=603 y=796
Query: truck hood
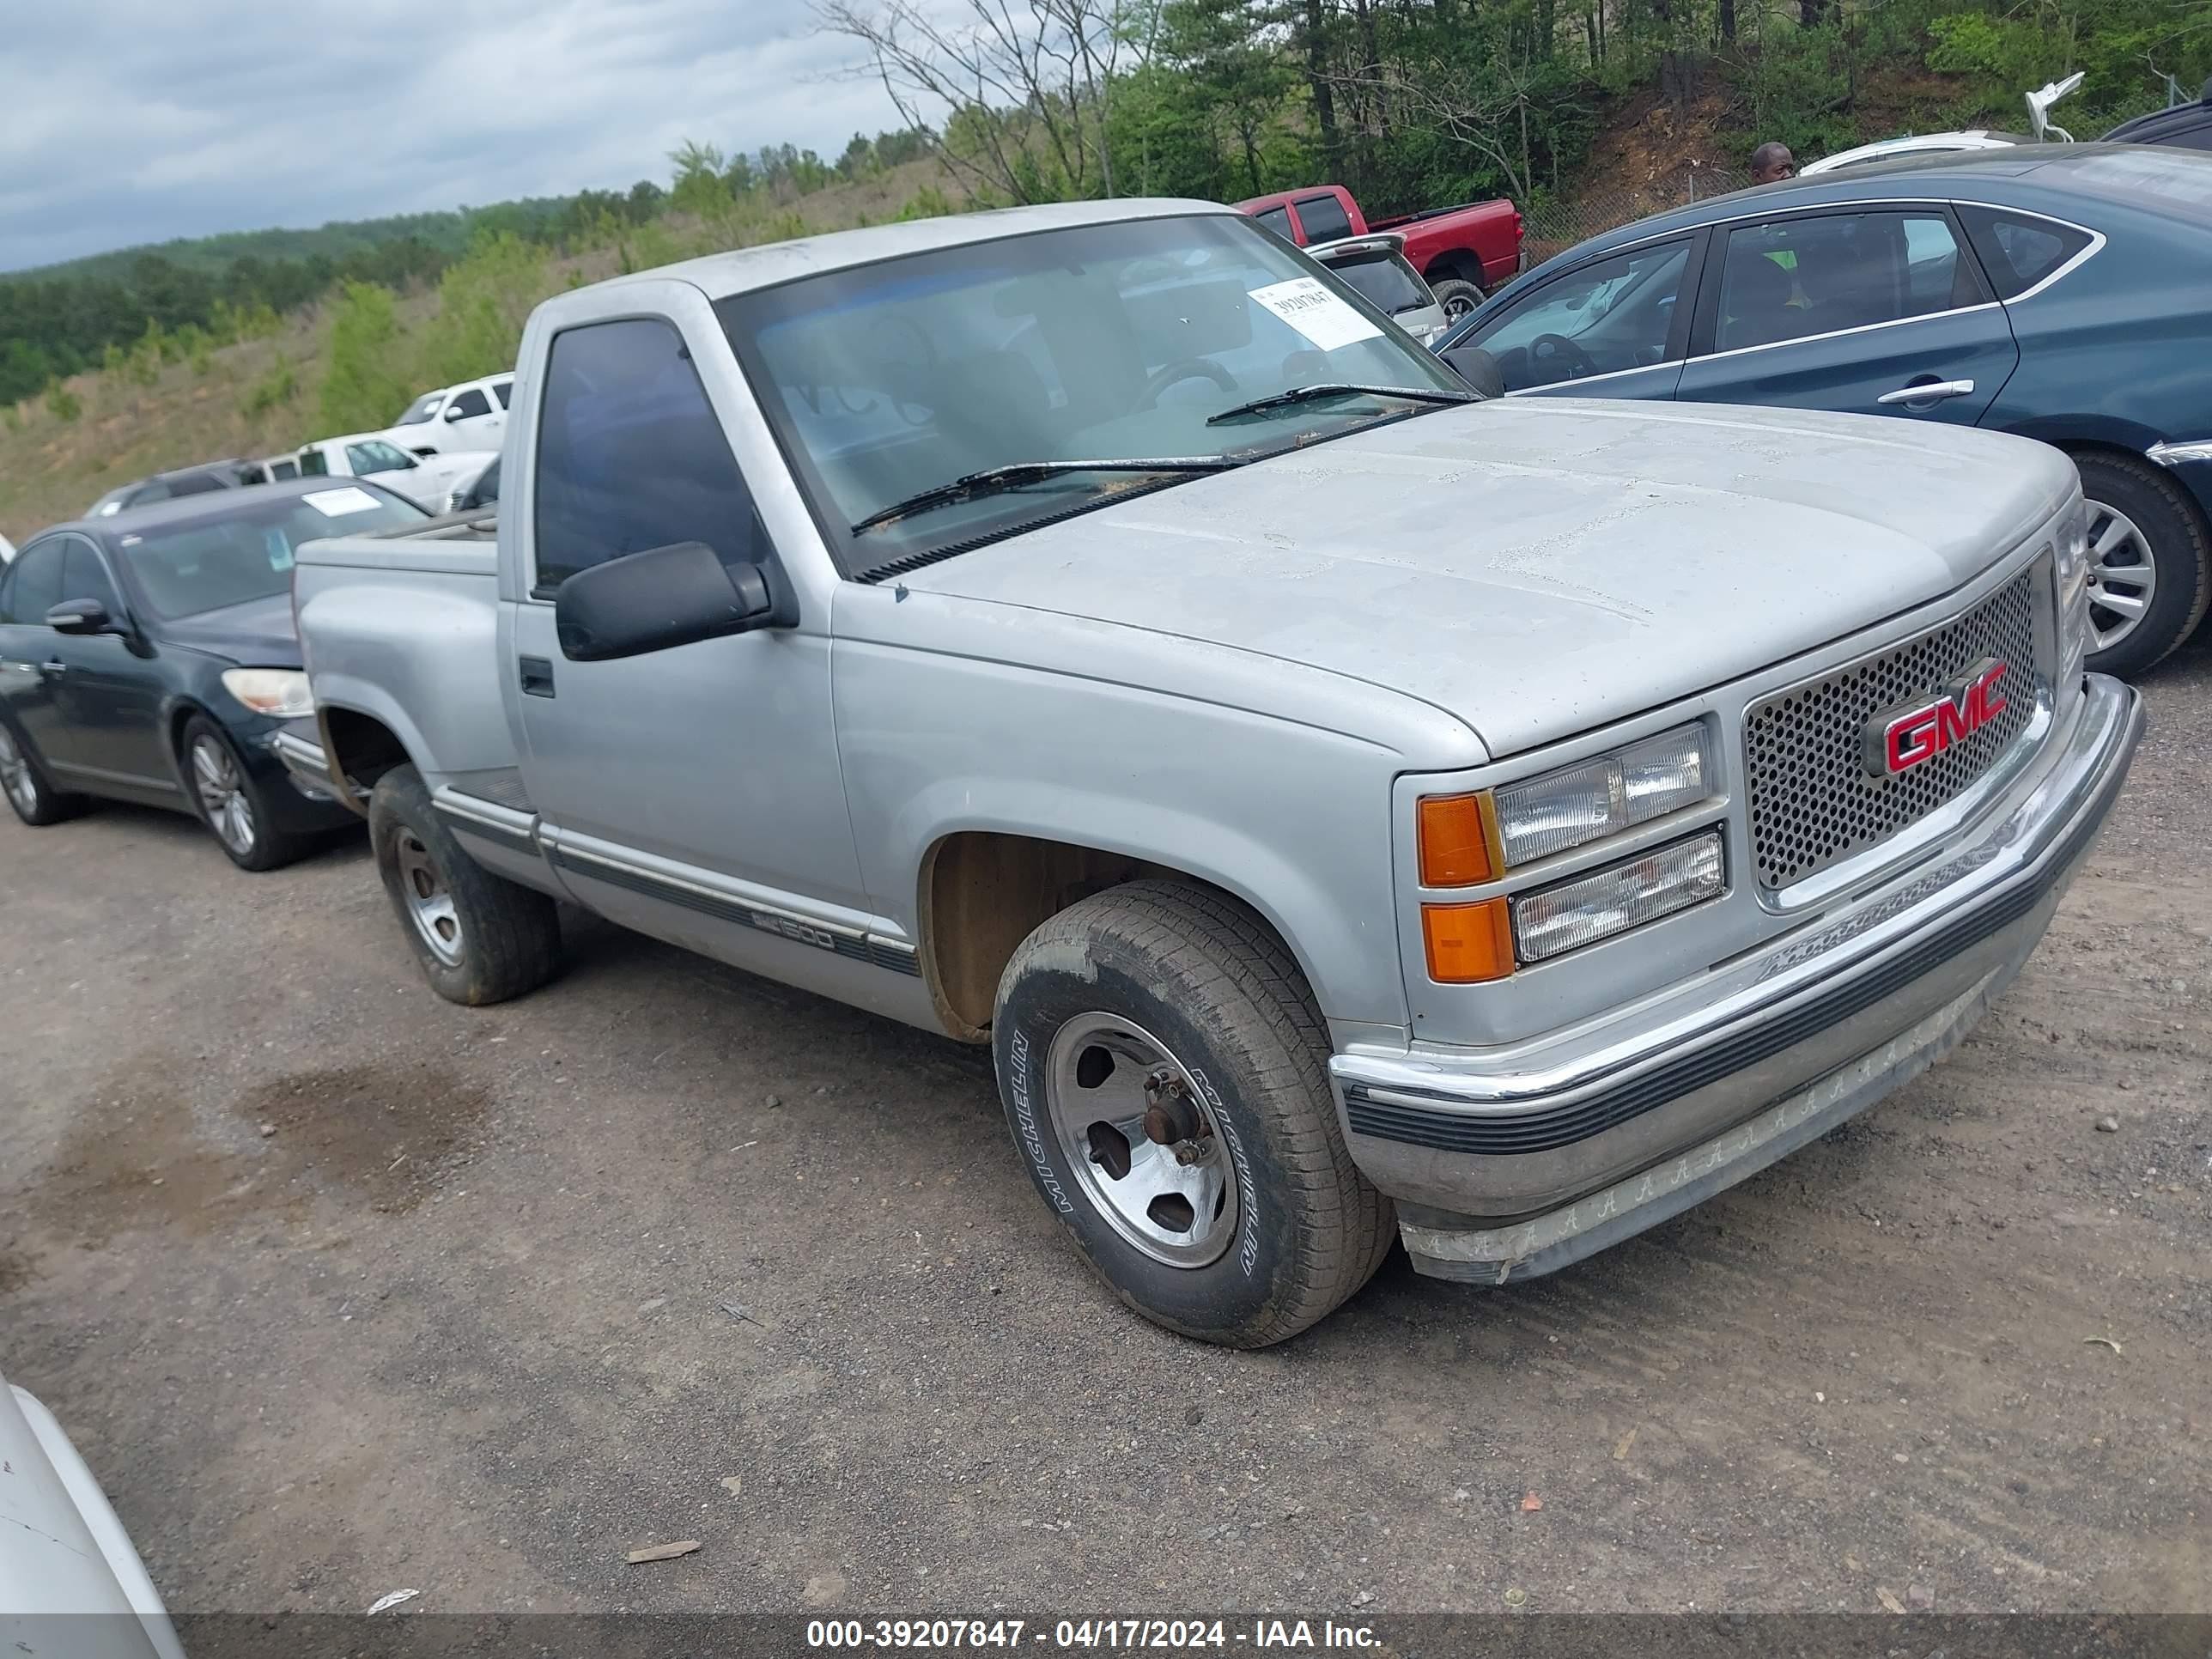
x=1539 y=567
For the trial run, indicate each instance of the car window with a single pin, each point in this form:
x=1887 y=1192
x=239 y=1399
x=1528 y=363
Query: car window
x=1384 y=277
x=1601 y=317
x=471 y=403
x=314 y=464
x=196 y=483
x=84 y=576
x=1789 y=279
x=246 y=554
x=421 y=410
x=282 y=470
x=630 y=455
x=1094 y=342
x=2017 y=250
x=376 y=456
x=506 y=391
x=157 y=491
x=1277 y=219
x=1322 y=218
x=35 y=582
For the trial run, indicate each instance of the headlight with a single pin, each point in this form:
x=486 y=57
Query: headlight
x=1603 y=796
x=280 y=693
x=2073 y=570
x=1555 y=920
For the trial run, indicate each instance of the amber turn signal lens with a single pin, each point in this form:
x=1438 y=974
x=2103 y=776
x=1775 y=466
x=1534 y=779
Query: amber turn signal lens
x=1468 y=944
x=1453 y=842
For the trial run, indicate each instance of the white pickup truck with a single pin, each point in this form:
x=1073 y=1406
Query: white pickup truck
x=1353 y=810
x=428 y=481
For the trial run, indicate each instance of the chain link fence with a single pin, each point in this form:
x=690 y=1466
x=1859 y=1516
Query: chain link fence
x=1556 y=224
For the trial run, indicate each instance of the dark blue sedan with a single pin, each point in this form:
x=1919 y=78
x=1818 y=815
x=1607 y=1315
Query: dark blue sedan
x=2063 y=292
x=151 y=656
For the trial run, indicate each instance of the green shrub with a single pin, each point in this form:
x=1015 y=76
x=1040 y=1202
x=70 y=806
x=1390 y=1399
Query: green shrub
x=62 y=403
x=365 y=381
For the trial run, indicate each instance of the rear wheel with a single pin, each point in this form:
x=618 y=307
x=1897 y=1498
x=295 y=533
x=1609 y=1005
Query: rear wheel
x=479 y=937
x=23 y=780
x=1164 y=1073
x=1457 y=295
x=2150 y=563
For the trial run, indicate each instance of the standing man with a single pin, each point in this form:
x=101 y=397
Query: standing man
x=1771 y=162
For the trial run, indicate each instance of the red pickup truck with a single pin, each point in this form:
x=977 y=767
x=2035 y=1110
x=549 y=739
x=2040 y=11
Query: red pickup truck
x=1462 y=251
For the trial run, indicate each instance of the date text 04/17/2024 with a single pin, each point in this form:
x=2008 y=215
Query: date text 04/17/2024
x=1159 y=1635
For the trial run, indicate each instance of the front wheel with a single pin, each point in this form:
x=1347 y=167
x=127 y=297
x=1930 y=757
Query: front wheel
x=233 y=804
x=479 y=937
x=1164 y=1071
x=2150 y=567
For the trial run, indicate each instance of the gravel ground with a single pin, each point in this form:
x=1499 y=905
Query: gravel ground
x=343 y=1289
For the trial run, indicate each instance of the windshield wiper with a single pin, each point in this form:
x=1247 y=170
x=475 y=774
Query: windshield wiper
x=1302 y=394
x=995 y=480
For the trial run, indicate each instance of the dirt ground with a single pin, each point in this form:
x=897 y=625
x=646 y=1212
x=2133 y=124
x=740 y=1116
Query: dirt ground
x=343 y=1289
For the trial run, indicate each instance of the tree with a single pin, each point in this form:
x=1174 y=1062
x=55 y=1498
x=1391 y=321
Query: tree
x=364 y=383
x=1028 y=83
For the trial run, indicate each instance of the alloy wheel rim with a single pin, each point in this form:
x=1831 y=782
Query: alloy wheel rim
x=223 y=796
x=15 y=775
x=2123 y=576
x=429 y=905
x=1143 y=1145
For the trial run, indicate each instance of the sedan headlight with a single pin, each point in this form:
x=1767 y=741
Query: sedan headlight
x=1553 y=921
x=280 y=693
x=2073 y=570
x=1603 y=796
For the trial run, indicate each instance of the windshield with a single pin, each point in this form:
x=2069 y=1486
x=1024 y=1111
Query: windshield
x=421 y=410
x=246 y=556
x=1099 y=343
x=1384 y=277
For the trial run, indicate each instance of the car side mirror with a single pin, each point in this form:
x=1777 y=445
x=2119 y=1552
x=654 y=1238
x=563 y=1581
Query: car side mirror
x=81 y=617
x=1477 y=368
x=452 y=411
x=662 y=598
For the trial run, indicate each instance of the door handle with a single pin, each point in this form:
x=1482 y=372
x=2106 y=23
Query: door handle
x=536 y=677
x=1929 y=391
x=53 y=666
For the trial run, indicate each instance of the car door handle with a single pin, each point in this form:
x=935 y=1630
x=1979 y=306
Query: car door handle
x=536 y=677
x=53 y=666
x=1929 y=391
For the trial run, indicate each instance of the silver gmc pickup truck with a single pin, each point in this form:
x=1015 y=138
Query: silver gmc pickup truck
x=1353 y=809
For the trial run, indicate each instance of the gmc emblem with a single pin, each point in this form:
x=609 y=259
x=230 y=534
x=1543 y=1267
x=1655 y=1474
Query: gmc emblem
x=1898 y=740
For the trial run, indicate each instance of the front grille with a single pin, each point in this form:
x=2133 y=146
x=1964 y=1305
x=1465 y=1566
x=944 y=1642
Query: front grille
x=1813 y=801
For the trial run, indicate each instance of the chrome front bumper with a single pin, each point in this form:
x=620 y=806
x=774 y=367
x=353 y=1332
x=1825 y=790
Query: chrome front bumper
x=304 y=767
x=1507 y=1163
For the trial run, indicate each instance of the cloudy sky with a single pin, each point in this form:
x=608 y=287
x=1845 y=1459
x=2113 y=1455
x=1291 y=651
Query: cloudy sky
x=128 y=121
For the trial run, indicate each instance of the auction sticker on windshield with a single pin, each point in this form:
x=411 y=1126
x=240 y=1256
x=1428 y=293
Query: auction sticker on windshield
x=1307 y=306
x=336 y=503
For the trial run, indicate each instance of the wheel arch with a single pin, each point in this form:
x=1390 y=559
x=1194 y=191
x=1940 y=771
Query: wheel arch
x=983 y=891
x=361 y=747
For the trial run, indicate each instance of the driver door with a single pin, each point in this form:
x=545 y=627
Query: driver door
x=1615 y=326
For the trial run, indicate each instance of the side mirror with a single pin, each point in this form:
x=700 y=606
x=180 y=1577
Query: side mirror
x=81 y=617
x=1477 y=368
x=452 y=411
x=664 y=597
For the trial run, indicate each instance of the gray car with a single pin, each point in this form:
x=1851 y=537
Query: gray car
x=1352 y=810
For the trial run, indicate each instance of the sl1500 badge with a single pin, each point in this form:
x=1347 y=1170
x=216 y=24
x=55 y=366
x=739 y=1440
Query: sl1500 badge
x=1898 y=739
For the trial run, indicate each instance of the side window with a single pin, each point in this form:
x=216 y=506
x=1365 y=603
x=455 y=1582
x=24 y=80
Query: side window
x=34 y=586
x=377 y=458
x=280 y=470
x=1277 y=219
x=196 y=483
x=1322 y=218
x=630 y=455
x=314 y=464
x=84 y=576
x=1605 y=316
x=2017 y=251
x=471 y=403
x=1792 y=278
x=506 y=391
